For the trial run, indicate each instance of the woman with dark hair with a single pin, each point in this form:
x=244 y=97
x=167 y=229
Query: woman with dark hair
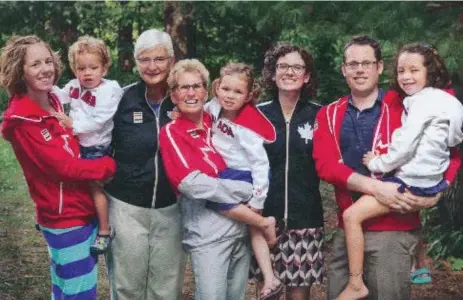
x=57 y=178
x=293 y=198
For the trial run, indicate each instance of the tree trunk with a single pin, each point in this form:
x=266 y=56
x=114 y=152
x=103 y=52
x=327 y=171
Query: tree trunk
x=179 y=24
x=125 y=44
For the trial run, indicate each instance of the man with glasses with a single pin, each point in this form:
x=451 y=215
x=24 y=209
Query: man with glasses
x=346 y=129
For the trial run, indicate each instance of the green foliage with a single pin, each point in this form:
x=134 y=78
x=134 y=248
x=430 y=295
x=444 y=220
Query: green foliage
x=444 y=240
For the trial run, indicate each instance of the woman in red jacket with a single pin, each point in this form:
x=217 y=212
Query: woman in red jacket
x=49 y=156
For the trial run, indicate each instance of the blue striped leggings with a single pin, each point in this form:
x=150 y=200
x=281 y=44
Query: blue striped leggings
x=73 y=269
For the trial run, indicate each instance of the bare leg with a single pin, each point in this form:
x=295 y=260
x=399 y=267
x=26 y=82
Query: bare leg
x=101 y=205
x=262 y=254
x=419 y=256
x=365 y=208
x=244 y=214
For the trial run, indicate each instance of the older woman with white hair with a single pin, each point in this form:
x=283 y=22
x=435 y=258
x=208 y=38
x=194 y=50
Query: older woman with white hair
x=218 y=246
x=145 y=260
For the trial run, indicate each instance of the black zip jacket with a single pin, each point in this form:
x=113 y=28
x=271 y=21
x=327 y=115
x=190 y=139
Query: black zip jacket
x=140 y=177
x=293 y=194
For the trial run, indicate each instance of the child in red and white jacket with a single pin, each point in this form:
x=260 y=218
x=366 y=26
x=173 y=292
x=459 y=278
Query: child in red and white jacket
x=93 y=101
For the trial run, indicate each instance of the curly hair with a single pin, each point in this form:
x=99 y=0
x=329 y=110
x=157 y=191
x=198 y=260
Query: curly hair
x=364 y=40
x=436 y=71
x=12 y=62
x=270 y=60
x=242 y=70
x=88 y=44
x=187 y=65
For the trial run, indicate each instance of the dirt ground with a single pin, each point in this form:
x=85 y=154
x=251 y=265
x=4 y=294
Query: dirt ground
x=24 y=262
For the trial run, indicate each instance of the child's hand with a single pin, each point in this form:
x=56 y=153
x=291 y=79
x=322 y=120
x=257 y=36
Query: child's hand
x=367 y=157
x=175 y=114
x=63 y=119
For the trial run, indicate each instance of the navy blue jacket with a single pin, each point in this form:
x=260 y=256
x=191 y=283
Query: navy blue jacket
x=140 y=178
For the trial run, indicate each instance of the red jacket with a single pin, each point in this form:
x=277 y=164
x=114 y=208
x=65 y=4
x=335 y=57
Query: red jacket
x=329 y=165
x=49 y=156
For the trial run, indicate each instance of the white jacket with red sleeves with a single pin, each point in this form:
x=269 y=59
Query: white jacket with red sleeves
x=241 y=144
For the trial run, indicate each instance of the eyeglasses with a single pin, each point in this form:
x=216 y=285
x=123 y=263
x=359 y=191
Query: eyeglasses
x=354 y=65
x=297 y=69
x=145 y=61
x=186 y=87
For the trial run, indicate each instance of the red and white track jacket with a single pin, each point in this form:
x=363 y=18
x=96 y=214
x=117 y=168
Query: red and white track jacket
x=49 y=156
x=330 y=166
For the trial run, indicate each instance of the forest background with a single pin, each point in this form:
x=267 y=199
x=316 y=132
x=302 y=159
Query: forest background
x=217 y=32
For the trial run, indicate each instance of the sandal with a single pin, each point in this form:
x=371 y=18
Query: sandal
x=274 y=293
x=421 y=276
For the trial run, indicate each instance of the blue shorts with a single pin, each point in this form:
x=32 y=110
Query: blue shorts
x=233 y=174
x=418 y=191
x=95 y=152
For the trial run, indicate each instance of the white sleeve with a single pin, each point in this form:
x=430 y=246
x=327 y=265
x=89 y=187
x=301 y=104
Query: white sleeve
x=212 y=107
x=62 y=94
x=253 y=145
x=404 y=140
x=107 y=100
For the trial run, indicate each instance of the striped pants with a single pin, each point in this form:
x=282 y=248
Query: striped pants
x=73 y=270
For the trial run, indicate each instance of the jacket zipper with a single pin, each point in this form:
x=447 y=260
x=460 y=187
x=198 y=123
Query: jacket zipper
x=286 y=172
x=156 y=171
x=60 y=207
x=288 y=131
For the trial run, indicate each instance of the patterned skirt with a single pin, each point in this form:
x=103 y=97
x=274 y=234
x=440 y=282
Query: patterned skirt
x=73 y=270
x=297 y=258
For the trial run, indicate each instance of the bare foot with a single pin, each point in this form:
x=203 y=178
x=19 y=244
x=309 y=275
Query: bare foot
x=271 y=289
x=270 y=231
x=353 y=292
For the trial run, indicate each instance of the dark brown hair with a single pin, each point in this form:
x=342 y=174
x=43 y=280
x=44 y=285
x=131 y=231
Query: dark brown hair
x=437 y=74
x=270 y=60
x=364 y=40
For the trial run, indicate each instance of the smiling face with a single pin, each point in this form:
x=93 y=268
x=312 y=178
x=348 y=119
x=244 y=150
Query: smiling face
x=233 y=93
x=288 y=75
x=39 y=70
x=363 y=79
x=154 y=65
x=89 y=70
x=189 y=95
x=411 y=72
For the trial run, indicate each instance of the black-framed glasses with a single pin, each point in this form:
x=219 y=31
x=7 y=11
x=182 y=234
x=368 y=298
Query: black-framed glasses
x=297 y=69
x=159 y=60
x=354 y=65
x=184 y=88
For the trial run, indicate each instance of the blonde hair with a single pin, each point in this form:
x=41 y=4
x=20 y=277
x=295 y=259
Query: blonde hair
x=89 y=44
x=242 y=70
x=187 y=65
x=12 y=62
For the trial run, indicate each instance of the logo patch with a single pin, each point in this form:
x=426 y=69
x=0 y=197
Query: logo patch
x=46 y=135
x=305 y=132
x=137 y=117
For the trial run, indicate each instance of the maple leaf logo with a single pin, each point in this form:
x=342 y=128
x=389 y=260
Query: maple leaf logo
x=306 y=132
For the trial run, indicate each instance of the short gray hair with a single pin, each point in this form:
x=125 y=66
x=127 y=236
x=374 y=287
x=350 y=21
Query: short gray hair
x=187 y=65
x=153 y=38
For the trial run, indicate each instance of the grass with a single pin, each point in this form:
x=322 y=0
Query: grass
x=24 y=268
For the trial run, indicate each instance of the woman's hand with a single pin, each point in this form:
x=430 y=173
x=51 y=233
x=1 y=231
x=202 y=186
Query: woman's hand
x=63 y=119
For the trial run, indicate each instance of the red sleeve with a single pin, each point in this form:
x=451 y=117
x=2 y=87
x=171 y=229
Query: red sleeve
x=175 y=163
x=455 y=162
x=326 y=154
x=52 y=157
